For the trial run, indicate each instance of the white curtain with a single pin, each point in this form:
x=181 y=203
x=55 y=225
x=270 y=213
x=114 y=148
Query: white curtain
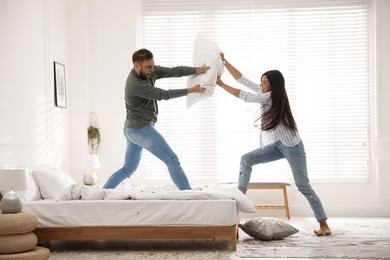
x=321 y=47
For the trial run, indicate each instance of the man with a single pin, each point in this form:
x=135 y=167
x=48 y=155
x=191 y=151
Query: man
x=141 y=98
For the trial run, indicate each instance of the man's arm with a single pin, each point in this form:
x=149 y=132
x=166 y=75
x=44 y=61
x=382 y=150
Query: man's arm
x=171 y=72
x=180 y=71
x=195 y=89
x=145 y=89
x=200 y=70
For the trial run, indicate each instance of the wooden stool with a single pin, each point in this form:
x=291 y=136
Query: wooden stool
x=273 y=185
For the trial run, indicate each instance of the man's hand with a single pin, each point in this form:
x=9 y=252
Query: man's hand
x=195 y=89
x=201 y=70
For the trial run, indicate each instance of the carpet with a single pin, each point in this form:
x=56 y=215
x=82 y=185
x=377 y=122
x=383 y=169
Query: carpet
x=360 y=238
x=352 y=238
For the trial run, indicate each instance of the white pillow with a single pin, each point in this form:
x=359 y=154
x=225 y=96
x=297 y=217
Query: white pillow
x=206 y=80
x=205 y=49
x=205 y=53
x=52 y=181
x=268 y=228
x=32 y=192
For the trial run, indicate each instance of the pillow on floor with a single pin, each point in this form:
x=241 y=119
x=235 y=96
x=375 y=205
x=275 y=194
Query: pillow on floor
x=268 y=228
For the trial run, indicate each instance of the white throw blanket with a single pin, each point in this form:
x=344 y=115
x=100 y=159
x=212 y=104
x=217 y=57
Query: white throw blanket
x=81 y=192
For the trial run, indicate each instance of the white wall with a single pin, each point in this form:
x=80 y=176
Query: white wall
x=32 y=130
x=101 y=42
x=381 y=119
x=95 y=40
x=111 y=29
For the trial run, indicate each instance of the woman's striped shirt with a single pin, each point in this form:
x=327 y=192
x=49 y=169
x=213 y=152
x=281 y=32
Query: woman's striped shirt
x=282 y=133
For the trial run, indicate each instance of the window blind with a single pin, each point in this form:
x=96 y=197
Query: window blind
x=321 y=47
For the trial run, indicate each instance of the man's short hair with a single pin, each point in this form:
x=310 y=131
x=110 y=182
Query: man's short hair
x=142 y=55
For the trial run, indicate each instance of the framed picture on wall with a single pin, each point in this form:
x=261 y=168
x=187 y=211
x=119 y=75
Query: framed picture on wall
x=59 y=85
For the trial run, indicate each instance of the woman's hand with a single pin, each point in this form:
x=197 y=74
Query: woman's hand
x=232 y=70
x=219 y=81
x=234 y=91
x=222 y=56
x=195 y=89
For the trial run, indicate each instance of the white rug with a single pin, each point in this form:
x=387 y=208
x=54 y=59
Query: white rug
x=351 y=239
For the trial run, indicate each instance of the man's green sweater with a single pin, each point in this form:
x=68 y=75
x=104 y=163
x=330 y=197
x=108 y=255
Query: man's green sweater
x=141 y=95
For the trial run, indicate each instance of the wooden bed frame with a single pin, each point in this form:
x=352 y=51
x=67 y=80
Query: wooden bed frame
x=141 y=232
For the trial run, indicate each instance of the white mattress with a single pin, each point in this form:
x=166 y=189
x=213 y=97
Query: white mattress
x=83 y=213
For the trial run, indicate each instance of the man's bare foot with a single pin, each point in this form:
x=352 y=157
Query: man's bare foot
x=324 y=229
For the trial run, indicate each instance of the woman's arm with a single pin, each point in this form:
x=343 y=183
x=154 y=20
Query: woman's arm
x=234 y=91
x=247 y=97
x=232 y=70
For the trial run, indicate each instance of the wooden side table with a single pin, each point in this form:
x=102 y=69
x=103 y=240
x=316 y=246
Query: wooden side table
x=276 y=186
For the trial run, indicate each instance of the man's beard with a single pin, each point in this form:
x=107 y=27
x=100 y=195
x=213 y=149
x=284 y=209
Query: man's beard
x=143 y=75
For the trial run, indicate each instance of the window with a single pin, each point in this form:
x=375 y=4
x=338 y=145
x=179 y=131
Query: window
x=321 y=47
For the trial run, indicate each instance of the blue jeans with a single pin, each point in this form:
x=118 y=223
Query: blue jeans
x=296 y=158
x=150 y=139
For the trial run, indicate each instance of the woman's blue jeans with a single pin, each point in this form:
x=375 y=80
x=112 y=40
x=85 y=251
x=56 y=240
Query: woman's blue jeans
x=296 y=158
x=150 y=139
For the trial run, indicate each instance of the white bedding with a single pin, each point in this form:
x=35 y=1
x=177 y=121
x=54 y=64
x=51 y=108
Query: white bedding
x=59 y=203
x=80 y=192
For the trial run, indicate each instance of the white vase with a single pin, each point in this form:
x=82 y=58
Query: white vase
x=11 y=203
x=90 y=178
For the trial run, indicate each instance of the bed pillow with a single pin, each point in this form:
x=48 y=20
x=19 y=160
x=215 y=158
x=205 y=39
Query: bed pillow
x=206 y=80
x=268 y=228
x=52 y=181
x=205 y=53
x=32 y=192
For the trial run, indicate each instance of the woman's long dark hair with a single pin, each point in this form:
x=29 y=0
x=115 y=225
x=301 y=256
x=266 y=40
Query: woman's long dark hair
x=279 y=111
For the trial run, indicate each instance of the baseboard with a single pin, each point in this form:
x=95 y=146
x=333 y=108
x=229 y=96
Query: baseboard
x=331 y=211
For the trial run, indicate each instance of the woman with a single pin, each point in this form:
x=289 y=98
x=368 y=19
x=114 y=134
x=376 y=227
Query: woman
x=279 y=137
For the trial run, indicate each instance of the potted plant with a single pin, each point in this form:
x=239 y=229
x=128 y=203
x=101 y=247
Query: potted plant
x=94 y=139
x=91 y=161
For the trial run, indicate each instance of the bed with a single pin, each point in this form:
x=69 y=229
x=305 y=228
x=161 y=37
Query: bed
x=77 y=212
x=204 y=219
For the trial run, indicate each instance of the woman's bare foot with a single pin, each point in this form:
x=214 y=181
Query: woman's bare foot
x=324 y=229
